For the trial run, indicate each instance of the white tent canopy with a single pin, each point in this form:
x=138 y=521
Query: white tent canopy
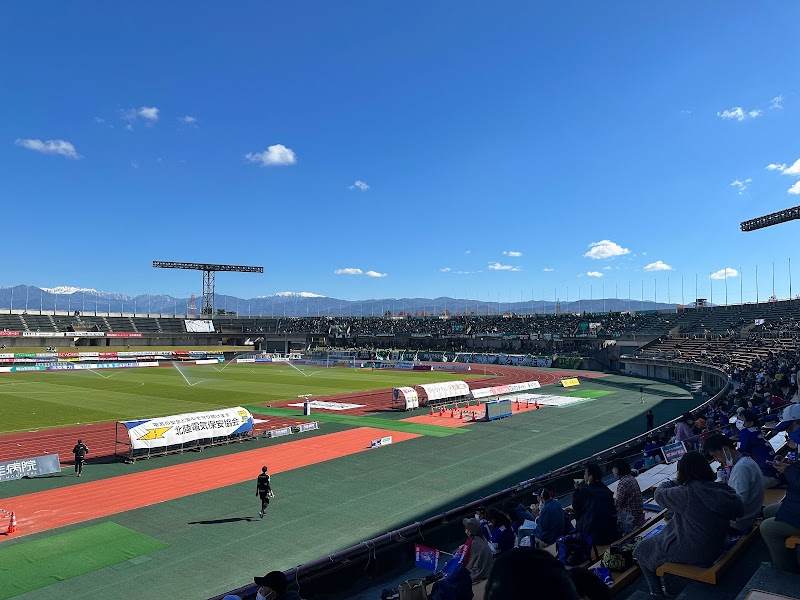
x=445 y=390
x=406 y=397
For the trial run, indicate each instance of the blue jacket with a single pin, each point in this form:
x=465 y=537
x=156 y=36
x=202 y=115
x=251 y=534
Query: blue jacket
x=550 y=524
x=790 y=507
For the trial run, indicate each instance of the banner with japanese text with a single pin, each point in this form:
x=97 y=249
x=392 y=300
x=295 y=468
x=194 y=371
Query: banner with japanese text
x=179 y=429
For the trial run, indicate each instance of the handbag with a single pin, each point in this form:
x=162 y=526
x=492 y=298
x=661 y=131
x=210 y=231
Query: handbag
x=575 y=549
x=413 y=589
x=618 y=557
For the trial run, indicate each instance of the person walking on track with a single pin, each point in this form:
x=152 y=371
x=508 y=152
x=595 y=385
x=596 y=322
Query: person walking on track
x=264 y=491
x=80 y=451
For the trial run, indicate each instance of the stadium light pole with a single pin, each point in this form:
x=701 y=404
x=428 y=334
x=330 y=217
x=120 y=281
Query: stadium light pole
x=209 y=276
x=756 y=285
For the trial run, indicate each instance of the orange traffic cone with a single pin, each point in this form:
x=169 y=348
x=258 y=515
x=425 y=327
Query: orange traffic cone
x=431 y=411
x=12 y=525
x=461 y=415
x=452 y=414
x=441 y=411
x=474 y=418
x=536 y=404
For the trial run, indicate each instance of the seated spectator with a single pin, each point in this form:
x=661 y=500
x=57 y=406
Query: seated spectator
x=698 y=529
x=274 y=586
x=627 y=499
x=753 y=444
x=503 y=537
x=652 y=452
x=593 y=504
x=475 y=554
x=742 y=474
x=782 y=520
x=518 y=515
x=683 y=428
x=550 y=518
x=529 y=574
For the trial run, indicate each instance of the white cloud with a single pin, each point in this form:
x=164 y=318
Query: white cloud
x=548 y=270
x=738 y=113
x=374 y=274
x=606 y=268
x=512 y=253
x=359 y=185
x=61 y=147
x=658 y=266
x=188 y=120
x=605 y=249
x=275 y=155
x=134 y=164
x=496 y=266
x=445 y=270
x=594 y=274
x=99 y=120
x=741 y=186
x=776 y=167
x=793 y=170
x=148 y=113
x=724 y=273
x=776 y=102
x=467 y=251
x=795 y=189
x=348 y=271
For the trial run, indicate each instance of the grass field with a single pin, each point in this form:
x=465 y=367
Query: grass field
x=40 y=400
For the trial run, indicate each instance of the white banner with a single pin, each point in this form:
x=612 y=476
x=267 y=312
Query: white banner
x=330 y=405
x=444 y=390
x=45 y=333
x=499 y=390
x=199 y=326
x=179 y=429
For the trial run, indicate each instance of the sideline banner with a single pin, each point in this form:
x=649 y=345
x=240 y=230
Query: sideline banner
x=500 y=390
x=9 y=333
x=570 y=382
x=113 y=334
x=179 y=429
x=29 y=467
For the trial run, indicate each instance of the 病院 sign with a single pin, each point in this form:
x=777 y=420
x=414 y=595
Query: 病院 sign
x=29 y=467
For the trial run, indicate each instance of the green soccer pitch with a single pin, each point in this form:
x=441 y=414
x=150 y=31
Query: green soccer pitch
x=56 y=399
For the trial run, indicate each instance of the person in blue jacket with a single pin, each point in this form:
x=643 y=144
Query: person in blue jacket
x=550 y=519
x=593 y=504
x=503 y=537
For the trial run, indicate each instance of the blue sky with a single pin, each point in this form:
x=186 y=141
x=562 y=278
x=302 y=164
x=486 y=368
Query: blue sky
x=363 y=149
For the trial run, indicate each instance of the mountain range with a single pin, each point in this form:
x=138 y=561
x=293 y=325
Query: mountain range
x=292 y=304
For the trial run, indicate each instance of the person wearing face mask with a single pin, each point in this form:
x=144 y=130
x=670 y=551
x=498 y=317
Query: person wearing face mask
x=742 y=474
x=683 y=428
x=753 y=444
x=274 y=586
x=782 y=520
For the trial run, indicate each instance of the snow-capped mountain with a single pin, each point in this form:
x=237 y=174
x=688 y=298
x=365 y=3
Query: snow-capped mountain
x=65 y=290
x=283 y=304
x=293 y=295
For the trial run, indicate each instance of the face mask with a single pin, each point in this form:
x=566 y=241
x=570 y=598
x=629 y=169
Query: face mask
x=739 y=424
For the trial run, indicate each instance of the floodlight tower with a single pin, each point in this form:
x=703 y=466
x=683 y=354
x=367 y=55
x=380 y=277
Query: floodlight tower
x=782 y=216
x=209 y=270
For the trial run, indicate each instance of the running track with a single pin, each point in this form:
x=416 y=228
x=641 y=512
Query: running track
x=42 y=511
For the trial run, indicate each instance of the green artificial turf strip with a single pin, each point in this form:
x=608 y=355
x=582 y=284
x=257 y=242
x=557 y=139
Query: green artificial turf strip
x=361 y=421
x=32 y=565
x=31 y=401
